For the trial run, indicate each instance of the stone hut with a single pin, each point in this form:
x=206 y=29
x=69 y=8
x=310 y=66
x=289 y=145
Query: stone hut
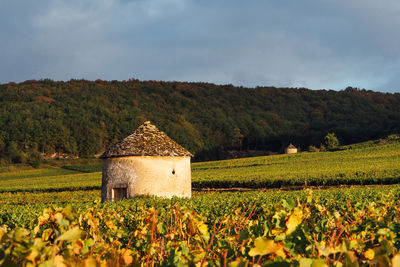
x=291 y=149
x=147 y=162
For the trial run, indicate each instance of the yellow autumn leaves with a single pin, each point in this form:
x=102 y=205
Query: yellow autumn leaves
x=294 y=220
x=264 y=246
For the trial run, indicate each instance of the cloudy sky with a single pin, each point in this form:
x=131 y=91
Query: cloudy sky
x=328 y=44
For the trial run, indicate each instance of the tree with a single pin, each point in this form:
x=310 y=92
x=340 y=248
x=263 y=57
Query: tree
x=331 y=141
x=237 y=138
x=84 y=117
x=35 y=159
x=13 y=154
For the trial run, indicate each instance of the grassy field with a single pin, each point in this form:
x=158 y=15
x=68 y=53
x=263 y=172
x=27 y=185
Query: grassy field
x=360 y=165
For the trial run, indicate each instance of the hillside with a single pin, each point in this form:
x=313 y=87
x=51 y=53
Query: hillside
x=81 y=118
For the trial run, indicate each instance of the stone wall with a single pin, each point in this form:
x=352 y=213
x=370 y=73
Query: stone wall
x=147 y=175
x=291 y=150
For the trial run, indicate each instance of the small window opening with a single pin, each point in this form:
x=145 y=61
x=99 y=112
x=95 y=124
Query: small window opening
x=120 y=193
x=173 y=171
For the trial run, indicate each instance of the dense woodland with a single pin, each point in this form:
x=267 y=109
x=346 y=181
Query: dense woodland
x=81 y=118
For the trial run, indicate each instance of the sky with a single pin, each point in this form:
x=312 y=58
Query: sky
x=317 y=44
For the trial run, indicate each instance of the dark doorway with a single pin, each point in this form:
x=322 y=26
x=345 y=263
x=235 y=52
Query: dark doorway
x=120 y=193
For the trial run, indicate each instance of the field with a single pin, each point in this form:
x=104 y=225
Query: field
x=362 y=165
x=53 y=215
x=365 y=165
x=358 y=225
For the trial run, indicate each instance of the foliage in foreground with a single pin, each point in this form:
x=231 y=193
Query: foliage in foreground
x=305 y=233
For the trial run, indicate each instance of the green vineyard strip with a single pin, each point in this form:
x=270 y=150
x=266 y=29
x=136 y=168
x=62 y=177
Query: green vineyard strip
x=33 y=173
x=371 y=165
x=84 y=168
x=75 y=181
x=361 y=166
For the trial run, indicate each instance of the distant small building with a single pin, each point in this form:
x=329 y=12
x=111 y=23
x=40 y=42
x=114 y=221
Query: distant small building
x=291 y=149
x=147 y=162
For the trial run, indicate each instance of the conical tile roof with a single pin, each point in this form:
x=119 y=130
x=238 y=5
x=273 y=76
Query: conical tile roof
x=291 y=146
x=147 y=140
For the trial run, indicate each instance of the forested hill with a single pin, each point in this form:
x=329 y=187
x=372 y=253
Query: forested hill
x=84 y=117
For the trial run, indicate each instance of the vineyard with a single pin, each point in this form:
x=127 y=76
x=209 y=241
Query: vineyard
x=301 y=228
x=363 y=165
x=53 y=215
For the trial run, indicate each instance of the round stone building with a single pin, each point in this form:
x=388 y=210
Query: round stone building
x=147 y=162
x=291 y=149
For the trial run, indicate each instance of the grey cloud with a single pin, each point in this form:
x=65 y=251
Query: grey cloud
x=315 y=44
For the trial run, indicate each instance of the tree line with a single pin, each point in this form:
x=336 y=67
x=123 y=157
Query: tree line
x=82 y=118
